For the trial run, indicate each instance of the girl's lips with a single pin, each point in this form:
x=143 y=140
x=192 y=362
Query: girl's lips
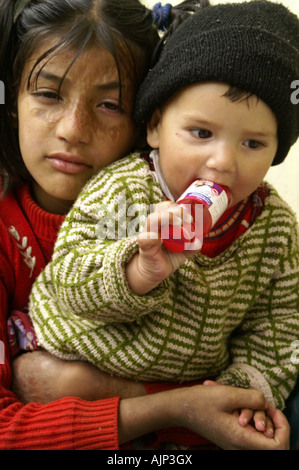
x=67 y=163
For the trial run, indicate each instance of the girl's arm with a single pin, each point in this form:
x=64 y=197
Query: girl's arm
x=40 y=376
x=208 y=411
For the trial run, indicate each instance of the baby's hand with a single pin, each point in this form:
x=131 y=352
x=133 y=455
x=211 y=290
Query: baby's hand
x=153 y=263
x=259 y=419
x=156 y=258
x=167 y=214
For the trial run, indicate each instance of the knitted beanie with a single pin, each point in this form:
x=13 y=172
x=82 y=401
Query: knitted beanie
x=251 y=45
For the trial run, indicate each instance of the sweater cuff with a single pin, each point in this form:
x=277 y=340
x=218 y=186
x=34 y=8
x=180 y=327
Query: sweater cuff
x=96 y=425
x=66 y=424
x=246 y=376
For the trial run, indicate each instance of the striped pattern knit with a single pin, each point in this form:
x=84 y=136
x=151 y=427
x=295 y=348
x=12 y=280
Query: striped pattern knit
x=234 y=316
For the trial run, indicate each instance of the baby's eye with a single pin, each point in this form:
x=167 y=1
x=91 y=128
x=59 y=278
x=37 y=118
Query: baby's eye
x=201 y=133
x=253 y=144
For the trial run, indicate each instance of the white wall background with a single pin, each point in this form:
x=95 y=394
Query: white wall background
x=285 y=177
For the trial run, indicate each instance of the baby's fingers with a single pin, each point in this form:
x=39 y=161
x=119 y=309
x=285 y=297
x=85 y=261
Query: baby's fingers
x=245 y=416
x=149 y=241
x=263 y=423
x=259 y=419
x=166 y=215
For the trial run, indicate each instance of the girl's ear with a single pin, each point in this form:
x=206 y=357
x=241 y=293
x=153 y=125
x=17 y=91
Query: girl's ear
x=153 y=129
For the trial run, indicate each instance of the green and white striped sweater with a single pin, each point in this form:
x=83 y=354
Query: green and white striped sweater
x=233 y=317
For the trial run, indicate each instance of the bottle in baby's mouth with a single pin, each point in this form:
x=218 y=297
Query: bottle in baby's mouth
x=205 y=201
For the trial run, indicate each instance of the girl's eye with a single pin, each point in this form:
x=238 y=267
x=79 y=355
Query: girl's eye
x=253 y=144
x=110 y=106
x=201 y=133
x=47 y=95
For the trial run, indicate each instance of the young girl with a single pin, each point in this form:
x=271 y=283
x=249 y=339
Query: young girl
x=231 y=311
x=71 y=70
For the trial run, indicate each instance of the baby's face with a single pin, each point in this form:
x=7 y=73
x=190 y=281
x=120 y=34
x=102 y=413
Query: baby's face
x=202 y=134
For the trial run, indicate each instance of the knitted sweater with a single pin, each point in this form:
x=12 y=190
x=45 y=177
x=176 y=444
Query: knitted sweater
x=27 y=238
x=233 y=316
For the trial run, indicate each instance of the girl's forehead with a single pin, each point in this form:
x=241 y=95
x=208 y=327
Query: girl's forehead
x=94 y=65
x=91 y=58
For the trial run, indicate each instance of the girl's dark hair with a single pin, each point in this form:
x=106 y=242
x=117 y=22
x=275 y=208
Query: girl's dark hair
x=123 y=27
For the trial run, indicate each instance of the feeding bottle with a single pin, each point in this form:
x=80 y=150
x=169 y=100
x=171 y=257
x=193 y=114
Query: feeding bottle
x=205 y=201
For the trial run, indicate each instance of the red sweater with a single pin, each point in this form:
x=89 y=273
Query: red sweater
x=27 y=237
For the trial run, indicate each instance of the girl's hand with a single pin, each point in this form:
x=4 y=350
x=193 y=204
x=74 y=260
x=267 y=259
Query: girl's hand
x=259 y=418
x=154 y=263
x=208 y=411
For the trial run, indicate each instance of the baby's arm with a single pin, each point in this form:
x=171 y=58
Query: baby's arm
x=152 y=264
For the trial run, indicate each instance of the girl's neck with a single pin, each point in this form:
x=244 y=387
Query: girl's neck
x=50 y=203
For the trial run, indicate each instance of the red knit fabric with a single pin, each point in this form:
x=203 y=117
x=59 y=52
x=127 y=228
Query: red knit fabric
x=70 y=423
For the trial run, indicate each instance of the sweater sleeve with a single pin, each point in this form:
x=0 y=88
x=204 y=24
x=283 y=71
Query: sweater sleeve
x=82 y=295
x=98 y=238
x=262 y=348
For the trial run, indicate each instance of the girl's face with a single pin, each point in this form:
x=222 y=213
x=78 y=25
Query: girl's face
x=202 y=134
x=66 y=135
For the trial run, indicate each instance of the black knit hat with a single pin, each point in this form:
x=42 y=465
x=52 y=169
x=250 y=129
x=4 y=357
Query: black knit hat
x=252 y=45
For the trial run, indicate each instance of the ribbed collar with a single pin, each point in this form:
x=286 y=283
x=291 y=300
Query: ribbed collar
x=44 y=224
